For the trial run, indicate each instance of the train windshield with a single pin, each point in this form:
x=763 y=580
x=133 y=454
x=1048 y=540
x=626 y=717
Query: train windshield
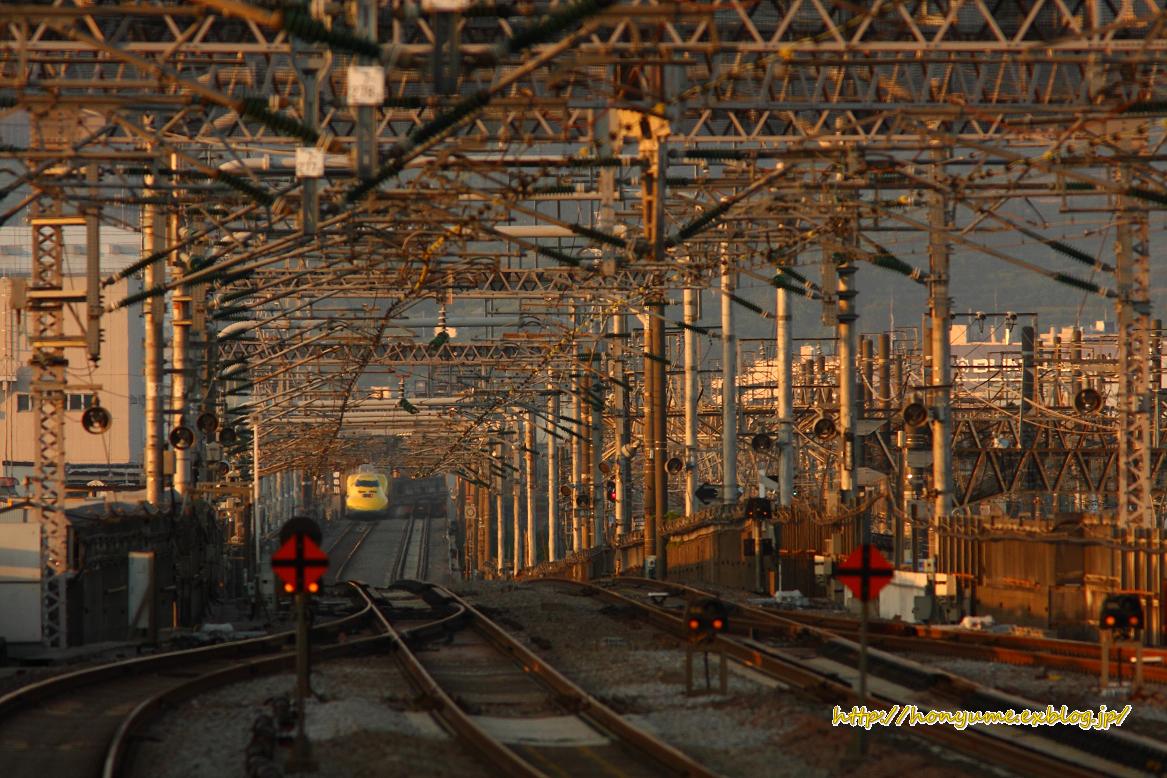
x=367 y=482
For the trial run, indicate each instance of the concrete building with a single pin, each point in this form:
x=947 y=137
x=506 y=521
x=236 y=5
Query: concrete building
x=115 y=457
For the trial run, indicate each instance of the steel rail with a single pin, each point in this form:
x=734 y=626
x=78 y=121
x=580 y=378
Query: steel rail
x=352 y=552
x=399 y=560
x=1010 y=649
x=343 y=534
x=235 y=654
x=978 y=743
x=120 y=751
x=569 y=696
x=578 y=700
x=423 y=552
x=453 y=717
x=24 y=696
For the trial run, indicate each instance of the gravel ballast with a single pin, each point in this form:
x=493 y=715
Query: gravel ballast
x=754 y=730
x=362 y=724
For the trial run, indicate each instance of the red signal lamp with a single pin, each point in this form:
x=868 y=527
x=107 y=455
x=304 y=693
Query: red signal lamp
x=1122 y=613
x=289 y=588
x=313 y=587
x=706 y=618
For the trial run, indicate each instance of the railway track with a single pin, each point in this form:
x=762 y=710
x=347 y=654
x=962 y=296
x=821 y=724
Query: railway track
x=400 y=559
x=352 y=539
x=821 y=663
x=412 y=558
x=897 y=636
x=84 y=723
x=514 y=710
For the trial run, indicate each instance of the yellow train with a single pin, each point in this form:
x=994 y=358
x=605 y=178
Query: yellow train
x=367 y=496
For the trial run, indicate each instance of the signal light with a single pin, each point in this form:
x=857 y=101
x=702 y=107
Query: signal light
x=611 y=491
x=207 y=423
x=825 y=429
x=289 y=588
x=313 y=587
x=228 y=435
x=1087 y=400
x=761 y=442
x=1122 y=613
x=914 y=414
x=674 y=465
x=96 y=420
x=706 y=618
x=182 y=437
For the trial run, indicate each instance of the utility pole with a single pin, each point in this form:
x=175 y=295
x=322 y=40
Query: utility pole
x=728 y=385
x=1133 y=314
x=258 y=509
x=847 y=351
x=656 y=493
x=469 y=503
x=310 y=63
x=553 y=551
x=180 y=321
x=691 y=313
x=939 y=313
x=93 y=307
x=598 y=499
x=623 y=474
x=366 y=147
x=648 y=434
x=482 y=520
x=500 y=510
x=588 y=466
x=516 y=506
x=784 y=356
x=48 y=396
x=529 y=460
x=577 y=462
x=153 y=235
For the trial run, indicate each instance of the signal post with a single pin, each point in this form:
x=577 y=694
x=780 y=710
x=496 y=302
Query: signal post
x=705 y=618
x=299 y=564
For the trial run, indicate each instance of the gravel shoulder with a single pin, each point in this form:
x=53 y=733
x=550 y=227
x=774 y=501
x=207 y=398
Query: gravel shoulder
x=1077 y=691
x=362 y=723
x=754 y=730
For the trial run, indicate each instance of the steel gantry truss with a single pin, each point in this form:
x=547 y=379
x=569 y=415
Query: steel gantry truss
x=335 y=174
